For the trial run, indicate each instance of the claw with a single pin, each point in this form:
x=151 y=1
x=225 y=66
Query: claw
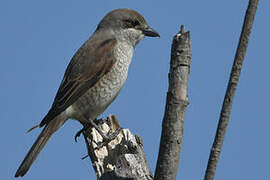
x=78 y=134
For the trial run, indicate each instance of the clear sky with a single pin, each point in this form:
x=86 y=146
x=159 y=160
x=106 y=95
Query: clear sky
x=38 y=38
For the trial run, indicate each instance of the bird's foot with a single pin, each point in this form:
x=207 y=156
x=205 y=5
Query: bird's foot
x=86 y=126
x=108 y=138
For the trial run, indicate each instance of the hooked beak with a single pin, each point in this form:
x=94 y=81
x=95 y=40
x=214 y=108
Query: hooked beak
x=148 y=31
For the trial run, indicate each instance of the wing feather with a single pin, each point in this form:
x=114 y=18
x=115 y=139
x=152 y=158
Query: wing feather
x=89 y=64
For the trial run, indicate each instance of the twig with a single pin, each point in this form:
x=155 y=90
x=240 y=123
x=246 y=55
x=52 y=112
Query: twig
x=234 y=78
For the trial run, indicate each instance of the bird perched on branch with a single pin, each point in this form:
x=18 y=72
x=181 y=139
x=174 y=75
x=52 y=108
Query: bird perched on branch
x=94 y=77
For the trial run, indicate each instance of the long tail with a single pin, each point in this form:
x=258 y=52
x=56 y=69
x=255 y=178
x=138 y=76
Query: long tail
x=39 y=144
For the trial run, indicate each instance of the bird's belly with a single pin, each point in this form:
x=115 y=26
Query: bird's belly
x=94 y=102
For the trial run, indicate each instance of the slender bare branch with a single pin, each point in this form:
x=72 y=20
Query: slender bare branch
x=177 y=101
x=228 y=99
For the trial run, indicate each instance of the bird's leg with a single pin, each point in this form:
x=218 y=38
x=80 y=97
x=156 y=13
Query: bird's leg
x=106 y=138
x=90 y=123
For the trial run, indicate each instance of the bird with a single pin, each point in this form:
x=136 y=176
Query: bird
x=94 y=76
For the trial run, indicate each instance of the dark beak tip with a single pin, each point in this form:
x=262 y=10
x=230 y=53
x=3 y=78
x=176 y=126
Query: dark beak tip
x=157 y=35
x=150 y=32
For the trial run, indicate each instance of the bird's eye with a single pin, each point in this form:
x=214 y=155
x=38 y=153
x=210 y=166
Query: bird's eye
x=135 y=23
x=131 y=23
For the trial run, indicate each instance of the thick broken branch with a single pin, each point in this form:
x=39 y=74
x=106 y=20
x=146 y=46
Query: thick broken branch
x=177 y=101
x=228 y=99
x=121 y=159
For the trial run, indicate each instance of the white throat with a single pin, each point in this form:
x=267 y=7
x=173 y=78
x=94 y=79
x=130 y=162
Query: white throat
x=131 y=36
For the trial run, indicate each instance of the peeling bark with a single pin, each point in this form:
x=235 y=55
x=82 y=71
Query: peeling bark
x=122 y=158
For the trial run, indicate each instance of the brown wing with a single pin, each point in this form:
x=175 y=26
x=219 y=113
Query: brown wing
x=90 y=63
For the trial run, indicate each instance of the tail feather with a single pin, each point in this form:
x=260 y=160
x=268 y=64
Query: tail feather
x=35 y=150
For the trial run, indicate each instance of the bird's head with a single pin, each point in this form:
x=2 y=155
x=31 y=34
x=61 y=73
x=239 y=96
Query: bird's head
x=127 y=25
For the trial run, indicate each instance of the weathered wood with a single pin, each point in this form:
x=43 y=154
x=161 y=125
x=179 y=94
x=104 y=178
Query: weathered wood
x=122 y=158
x=177 y=101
